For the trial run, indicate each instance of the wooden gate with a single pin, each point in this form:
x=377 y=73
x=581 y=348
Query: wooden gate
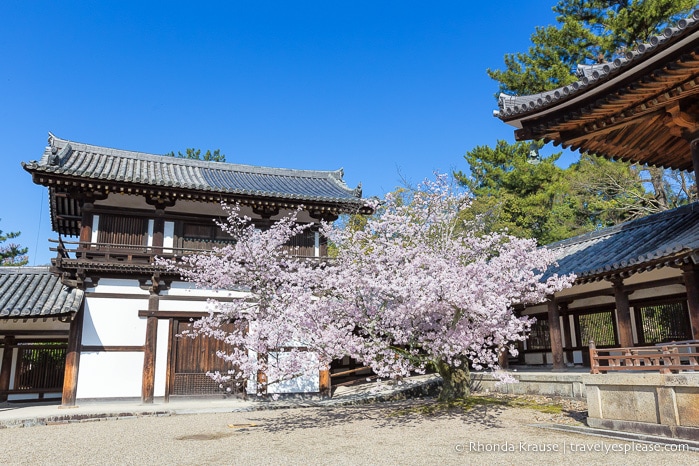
x=192 y=358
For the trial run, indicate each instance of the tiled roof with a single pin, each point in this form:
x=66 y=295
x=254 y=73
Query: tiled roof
x=78 y=160
x=592 y=76
x=31 y=292
x=670 y=237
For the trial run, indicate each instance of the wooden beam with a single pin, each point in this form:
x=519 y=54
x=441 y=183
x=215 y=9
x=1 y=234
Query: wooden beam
x=623 y=314
x=6 y=367
x=567 y=333
x=70 y=374
x=555 y=334
x=112 y=348
x=172 y=314
x=692 y=283
x=324 y=383
x=170 y=368
x=150 y=347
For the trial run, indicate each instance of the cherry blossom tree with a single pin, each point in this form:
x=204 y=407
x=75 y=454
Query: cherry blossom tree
x=411 y=289
x=426 y=290
x=280 y=334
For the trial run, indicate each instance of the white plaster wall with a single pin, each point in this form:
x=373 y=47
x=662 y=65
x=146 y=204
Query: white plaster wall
x=183 y=306
x=110 y=374
x=308 y=383
x=161 y=357
x=188 y=289
x=114 y=322
x=117 y=285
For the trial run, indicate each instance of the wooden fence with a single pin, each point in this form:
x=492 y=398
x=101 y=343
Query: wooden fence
x=666 y=358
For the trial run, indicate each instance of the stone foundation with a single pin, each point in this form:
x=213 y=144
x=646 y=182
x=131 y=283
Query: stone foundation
x=533 y=383
x=647 y=403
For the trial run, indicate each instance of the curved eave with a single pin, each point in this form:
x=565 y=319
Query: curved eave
x=620 y=72
x=629 y=268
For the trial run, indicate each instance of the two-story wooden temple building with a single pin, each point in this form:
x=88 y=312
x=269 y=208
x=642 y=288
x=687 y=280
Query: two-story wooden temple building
x=637 y=282
x=115 y=211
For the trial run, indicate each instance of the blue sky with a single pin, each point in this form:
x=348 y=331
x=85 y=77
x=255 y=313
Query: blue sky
x=388 y=90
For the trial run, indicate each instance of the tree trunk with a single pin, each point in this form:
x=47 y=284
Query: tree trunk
x=456 y=381
x=657 y=179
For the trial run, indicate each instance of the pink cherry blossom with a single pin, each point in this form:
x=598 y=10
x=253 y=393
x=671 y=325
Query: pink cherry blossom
x=415 y=288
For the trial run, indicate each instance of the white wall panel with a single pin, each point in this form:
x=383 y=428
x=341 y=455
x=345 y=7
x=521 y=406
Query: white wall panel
x=110 y=375
x=114 y=322
x=116 y=285
x=161 y=356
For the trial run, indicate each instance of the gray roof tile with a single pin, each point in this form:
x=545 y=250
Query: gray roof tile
x=69 y=158
x=631 y=245
x=31 y=292
x=591 y=76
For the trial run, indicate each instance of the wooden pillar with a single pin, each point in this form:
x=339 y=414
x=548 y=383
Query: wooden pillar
x=262 y=376
x=555 y=334
x=6 y=366
x=567 y=334
x=324 y=383
x=623 y=314
x=691 y=282
x=70 y=374
x=503 y=358
x=158 y=231
x=86 y=222
x=149 y=348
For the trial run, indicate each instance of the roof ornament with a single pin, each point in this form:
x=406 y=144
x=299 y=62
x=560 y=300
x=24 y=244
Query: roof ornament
x=358 y=190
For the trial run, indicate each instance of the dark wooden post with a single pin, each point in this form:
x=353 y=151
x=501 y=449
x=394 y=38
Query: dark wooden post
x=594 y=362
x=692 y=285
x=503 y=358
x=6 y=366
x=567 y=334
x=555 y=334
x=149 y=348
x=70 y=374
x=86 y=226
x=623 y=313
x=158 y=231
x=262 y=376
x=324 y=383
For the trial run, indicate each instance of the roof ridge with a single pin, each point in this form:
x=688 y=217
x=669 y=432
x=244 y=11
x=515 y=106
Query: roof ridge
x=24 y=269
x=59 y=143
x=630 y=224
x=589 y=75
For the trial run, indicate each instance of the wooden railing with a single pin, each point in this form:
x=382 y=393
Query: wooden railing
x=130 y=253
x=666 y=358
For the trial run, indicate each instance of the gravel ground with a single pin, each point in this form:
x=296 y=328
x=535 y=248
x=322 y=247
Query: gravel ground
x=382 y=433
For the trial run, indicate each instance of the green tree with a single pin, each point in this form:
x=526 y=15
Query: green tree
x=543 y=201
x=594 y=192
x=509 y=192
x=12 y=254
x=588 y=31
x=191 y=153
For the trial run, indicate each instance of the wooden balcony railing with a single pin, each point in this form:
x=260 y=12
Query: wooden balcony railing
x=67 y=251
x=665 y=358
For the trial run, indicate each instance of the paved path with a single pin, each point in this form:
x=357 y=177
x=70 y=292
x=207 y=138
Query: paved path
x=345 y=430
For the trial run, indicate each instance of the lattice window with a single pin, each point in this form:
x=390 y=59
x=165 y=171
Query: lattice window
x=40 y=366
x=539 y=337
x=120 y=230
x=598 y=327
x=665 y=322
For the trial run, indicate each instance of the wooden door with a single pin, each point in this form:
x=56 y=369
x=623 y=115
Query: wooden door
x=192 y=358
